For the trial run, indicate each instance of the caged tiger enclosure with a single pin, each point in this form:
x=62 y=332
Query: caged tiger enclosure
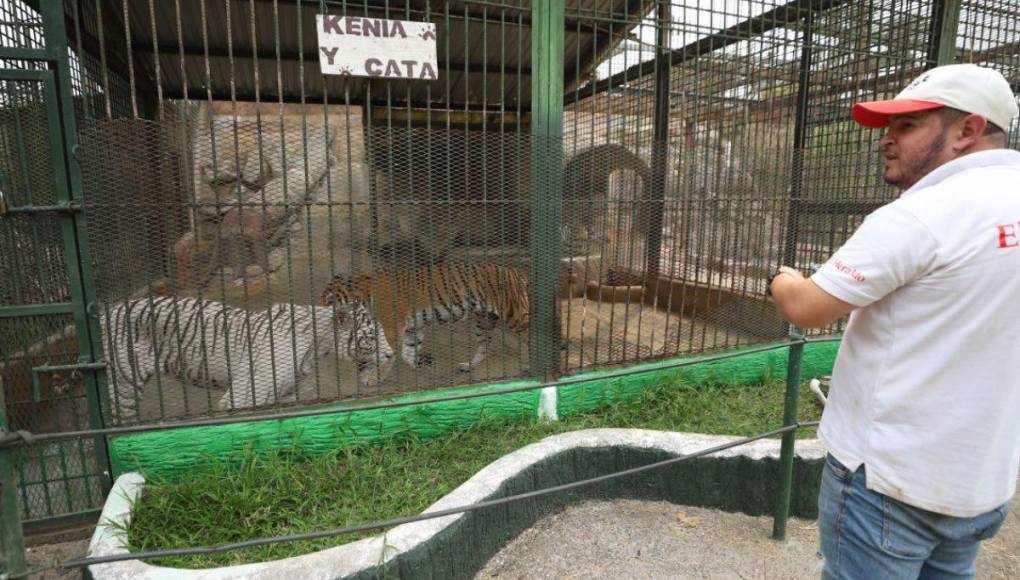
x=206 y=210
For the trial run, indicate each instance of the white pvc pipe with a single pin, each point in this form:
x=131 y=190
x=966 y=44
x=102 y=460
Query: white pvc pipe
x=815 y=386
x=547 y=404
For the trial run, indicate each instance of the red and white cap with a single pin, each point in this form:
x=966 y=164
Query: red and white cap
x=967 y=87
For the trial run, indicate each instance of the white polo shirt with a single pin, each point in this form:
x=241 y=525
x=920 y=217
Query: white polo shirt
x=926 y=387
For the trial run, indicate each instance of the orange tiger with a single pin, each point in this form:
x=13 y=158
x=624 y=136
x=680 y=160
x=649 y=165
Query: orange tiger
x=408 y=299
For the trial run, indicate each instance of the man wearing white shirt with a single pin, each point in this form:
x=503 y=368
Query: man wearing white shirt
x=922 y=423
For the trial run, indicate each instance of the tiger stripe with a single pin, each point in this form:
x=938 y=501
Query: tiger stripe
x=407 y=299
x=257 y=356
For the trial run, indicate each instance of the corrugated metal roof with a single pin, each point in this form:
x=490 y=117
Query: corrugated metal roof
x=265 y=48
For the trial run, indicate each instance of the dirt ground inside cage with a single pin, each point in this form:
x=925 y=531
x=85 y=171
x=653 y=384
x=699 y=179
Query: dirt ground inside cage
x=648 y=540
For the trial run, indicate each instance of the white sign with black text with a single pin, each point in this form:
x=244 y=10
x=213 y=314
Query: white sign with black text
x=375 y=47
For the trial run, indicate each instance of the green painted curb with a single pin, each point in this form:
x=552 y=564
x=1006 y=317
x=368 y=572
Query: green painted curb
x=173 y=453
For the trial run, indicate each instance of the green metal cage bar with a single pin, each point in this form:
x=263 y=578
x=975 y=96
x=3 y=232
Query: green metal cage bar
x=546 y=183
x=82 y=280
x=12 y=544
x=54 y=84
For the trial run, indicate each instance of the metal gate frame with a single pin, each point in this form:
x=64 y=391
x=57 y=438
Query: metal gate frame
x=55 y=81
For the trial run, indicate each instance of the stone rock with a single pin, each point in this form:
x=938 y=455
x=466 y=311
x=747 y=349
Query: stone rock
x=245 y=232
x=257 y=171
x=212 y=200
x=276 y=259
x=192 y=258
x=224 y=170
x=345 y=183
x=253 y=270
x=286 y=188
x=237 y=290
x=251 y=221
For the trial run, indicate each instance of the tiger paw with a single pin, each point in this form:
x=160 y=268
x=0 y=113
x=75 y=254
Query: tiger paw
x=423 y=360
x=464 y=367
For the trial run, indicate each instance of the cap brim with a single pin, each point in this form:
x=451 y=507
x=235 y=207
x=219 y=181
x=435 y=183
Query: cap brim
x=875 y=114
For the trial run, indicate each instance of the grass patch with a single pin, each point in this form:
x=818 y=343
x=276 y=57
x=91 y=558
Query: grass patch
x=288 y=493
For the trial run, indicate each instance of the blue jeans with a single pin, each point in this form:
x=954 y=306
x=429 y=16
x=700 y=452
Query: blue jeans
x=866 y=535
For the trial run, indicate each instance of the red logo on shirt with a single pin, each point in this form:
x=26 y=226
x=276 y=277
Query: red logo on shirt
x=1007 y=235
x=839 y=265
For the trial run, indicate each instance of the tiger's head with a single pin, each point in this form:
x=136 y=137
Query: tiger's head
x=343 y=290
x=367 y=343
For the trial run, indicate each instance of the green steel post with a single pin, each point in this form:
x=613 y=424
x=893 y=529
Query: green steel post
x=82 y=286
x=12 y=545
x=655 y=191
x=547 y=31
x=945 y=23
x=796 y=355
x=799 y=138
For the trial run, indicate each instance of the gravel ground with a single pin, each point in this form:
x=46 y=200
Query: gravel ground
x=53 y=554
x=660 y=540
x=654 y=540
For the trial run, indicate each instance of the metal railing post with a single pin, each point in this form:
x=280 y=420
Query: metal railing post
x=12 y=544
x=945 y=22
x=796 y=356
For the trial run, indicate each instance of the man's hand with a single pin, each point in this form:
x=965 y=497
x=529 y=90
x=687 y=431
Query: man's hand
x=782 y=270
x=802 y=302
x=791 y=272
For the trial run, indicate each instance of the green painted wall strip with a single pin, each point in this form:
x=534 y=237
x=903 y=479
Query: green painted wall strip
x=173 y=453
x=170 y=453
x=818 y=359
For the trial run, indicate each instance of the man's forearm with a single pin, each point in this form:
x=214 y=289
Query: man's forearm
x=804 y=304
x=787 y=293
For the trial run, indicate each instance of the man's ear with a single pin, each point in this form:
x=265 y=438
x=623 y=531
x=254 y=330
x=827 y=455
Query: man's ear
x=968 y=131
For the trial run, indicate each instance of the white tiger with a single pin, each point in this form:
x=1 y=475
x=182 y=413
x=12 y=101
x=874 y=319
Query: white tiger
x=257 y=356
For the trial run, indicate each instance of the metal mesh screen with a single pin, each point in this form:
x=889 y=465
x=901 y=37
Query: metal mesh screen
x=272 y=211
x=34 y=268
x=22 y=29
x=716 y=177
x=667 y=234
x=33 y=271
x=989 y=35
x=57 y=478
x=255 y=204
x=101 y=74
x=60 y=477
x=862 y=52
